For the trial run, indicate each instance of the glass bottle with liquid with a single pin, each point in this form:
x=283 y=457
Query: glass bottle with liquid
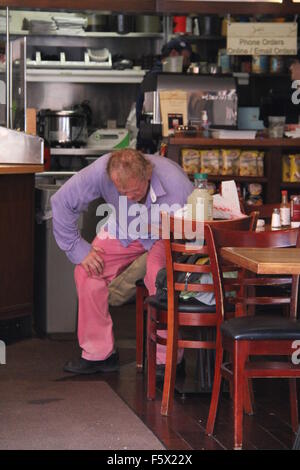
x=200 y=201
x=285 y=210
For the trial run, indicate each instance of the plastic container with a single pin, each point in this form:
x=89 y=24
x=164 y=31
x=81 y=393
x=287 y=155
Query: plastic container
x=200 y=201
x=276 y=64
x=173 y=64
x=295 y=209
x=260 y=63
x=276 y=126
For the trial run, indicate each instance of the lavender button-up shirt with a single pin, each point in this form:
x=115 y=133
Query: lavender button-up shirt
x=169 y=184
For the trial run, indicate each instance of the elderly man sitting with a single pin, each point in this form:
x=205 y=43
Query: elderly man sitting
x=129 y=182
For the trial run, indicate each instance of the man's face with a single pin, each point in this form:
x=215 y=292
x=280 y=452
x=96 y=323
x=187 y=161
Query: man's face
x=295 y=70
x=135 y=190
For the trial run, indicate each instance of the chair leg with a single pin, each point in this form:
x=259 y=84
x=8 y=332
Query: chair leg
x=139 y=318
x=169 y=380
x=151 y=353
x=239 y=359
x=294 y=404
x=170 y=368
x=216 y=388
x=249 y=397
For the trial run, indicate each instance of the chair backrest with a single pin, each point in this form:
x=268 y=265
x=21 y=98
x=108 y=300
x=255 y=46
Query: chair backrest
x=217 y=239
x=179 y=251
x=264 y=211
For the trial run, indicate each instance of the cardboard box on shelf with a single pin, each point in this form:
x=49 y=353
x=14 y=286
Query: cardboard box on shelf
x=31 y=121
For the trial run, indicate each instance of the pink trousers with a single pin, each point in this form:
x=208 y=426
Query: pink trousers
x=95 y=326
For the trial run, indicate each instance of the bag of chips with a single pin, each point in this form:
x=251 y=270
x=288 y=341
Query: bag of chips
x=210 y=162
x=190 y=160
x=230 y=161
x=248 y=163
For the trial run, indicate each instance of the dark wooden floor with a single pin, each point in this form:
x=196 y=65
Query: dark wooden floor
x=269 y=428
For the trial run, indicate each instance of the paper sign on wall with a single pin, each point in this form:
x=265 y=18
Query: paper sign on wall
x=262 y=38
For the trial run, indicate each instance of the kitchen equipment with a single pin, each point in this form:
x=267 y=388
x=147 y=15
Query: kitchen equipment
x=97 y=22
x=122 y=64
x=122 y=24
x=20 y=148
x=248 y=118
x=179 y=24
x=147 y=24
x=276 y=126
x=173 y=64
x=93 y=58
x=213 y=68
x=108 y=139
x=65 y=128
x=209 y=25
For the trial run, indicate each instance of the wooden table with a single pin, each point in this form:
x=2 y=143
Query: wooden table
x=265 y=260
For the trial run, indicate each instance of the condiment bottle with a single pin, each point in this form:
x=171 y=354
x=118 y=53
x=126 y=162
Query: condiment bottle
x=285 y=211
x=275 y=223
x=200 y=201
x=295 y=211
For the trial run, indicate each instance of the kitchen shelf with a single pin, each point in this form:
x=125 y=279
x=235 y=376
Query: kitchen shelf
x=289 y=185
x=273 y=151
x=245 y=143
x=78 y=152
x=85 y=76
x=193 y=37
x=87 y=34
x=238 y=179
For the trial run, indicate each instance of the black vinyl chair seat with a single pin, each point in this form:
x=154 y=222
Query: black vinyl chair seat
x=185 y=306
x=140 y=283
x=261 y=328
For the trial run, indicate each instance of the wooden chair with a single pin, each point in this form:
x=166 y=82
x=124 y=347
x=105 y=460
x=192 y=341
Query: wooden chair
x=175 y=314
x=261 y=335
x=140 y=312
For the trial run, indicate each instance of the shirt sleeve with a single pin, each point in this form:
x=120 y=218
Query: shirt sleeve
x=67 y=205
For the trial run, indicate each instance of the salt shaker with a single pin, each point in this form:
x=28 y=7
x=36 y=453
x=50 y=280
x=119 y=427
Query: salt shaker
x=275 y=223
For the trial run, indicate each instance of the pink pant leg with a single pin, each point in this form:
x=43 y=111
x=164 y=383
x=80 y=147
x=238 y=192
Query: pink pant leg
x=156 y=260
x=95 y=326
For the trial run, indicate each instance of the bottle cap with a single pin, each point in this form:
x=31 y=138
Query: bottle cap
x=200 y=176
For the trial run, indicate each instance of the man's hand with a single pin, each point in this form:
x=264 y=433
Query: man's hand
x=93 y=263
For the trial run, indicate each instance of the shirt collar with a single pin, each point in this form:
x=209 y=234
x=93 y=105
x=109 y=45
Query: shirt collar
x=153 y=196
x=156 y=187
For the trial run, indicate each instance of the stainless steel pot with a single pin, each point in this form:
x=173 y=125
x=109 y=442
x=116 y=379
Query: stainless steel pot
x=65 y=128
x=148 y=24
